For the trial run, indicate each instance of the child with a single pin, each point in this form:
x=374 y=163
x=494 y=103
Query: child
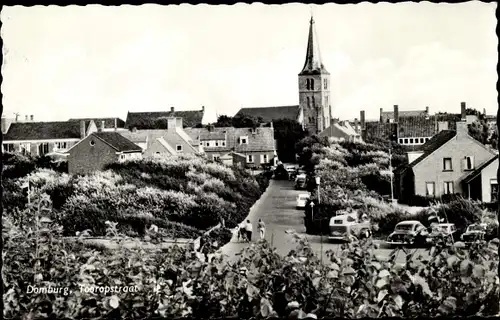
x=262 y=229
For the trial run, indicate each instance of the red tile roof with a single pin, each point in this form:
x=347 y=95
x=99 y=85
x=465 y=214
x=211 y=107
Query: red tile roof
x=145 y=120
x=43 y=130
x=269 y=114
x=117 y=141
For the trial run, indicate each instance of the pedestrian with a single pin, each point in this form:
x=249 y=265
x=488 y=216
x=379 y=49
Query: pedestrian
x=262 y=229
x=249 y=230
x=242 y=231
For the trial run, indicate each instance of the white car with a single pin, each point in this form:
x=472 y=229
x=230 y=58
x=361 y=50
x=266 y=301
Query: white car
x=302 y=200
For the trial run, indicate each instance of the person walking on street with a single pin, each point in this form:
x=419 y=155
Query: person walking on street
x=249 y=230
x=262 y=229
x=242 y=231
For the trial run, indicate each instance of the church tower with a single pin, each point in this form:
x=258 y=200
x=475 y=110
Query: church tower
x=314 y=87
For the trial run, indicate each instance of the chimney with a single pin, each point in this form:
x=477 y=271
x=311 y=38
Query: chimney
x=462 y=128
x=484 y=111
x=396 y=113
x=101 y=127
x=171 y=123
x=427 y=110
x=172 y=109
x=32 y=117
x=272 y=126
x=335 y=120
x=82 y=129
x=178 y=122
x=381 y=112
x=463 y=107
x=362 y=119
x=116 y=124
x=202 y=108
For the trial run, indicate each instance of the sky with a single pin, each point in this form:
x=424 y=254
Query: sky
x=97 y=61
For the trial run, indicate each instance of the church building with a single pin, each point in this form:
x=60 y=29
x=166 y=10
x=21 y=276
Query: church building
x=314 y=110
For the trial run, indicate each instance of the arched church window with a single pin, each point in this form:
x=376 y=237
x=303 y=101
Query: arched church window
x=313 y=102
x=312 y=84
x=307 y=84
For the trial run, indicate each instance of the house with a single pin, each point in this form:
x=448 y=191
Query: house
x=481 y=184
x=98 y=149
x=257 y=145
x=6 y=122
x=341 y=130
x=107 y=124
x=146 y=120
x=441 y=165
x=269 y=114
x=413 y=128
x=40 y=138
x=160 y=142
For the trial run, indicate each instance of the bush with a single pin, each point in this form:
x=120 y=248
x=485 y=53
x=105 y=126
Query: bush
x=172 y=283
x=263 y=180
x=280 y=173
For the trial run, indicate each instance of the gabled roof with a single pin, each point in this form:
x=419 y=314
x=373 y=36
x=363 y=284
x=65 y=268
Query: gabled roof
x=386 y=115
x=43 y=130
x=117 y=141
x=337 y=130
x=433 y=144
x=212 y=135
x=146 y=120
x=261 y=140
x=478 y=170
x=108 y=122
x=416 y=126
x=269 y=114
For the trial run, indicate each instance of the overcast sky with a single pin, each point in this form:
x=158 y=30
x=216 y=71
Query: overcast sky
x=96 y=61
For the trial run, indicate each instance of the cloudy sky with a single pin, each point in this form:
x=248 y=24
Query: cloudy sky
x=95 y=61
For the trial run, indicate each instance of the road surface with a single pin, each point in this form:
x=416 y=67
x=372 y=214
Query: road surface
x=277 y=209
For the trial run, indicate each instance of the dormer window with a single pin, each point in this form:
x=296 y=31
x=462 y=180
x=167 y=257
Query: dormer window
x=243 y=140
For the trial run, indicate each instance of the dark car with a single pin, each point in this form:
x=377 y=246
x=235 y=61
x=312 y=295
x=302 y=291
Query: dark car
x=301 y=182
x=408 y=232
x=474 y=233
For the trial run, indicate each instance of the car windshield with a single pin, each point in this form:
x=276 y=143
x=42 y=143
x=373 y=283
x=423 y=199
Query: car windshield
x=404 y=227
x=475 y=228
x=439 y=228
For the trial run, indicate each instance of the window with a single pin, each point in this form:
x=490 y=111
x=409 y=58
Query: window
x=468 y=163
x=223 y=143
x=61 y=145
x=430 y=189
x=312 y=86
x=308 y=102
x=122 y=157
x=421 y=140
x=92 y=143
x=326 y=101
x=9 y=147
x=411 y=140
x=216 y=157
x=207 y=144
x=406 y=141
x=494 y=190
x=243 y=140
x=448 y=187
x=426 y=139
x=447 y=164
x=325 y=84
x=43 y=148
x=400 y=140
x=264 y=158
x=25 y=148
x=216 y=143
x=313 y=102
x=308 y=86
x=178 y=147
x=250 y=158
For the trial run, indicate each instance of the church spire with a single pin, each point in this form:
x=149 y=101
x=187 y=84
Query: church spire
x=313 y=63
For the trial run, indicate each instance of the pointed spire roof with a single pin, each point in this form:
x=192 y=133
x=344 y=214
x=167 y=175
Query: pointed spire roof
x=313 y=63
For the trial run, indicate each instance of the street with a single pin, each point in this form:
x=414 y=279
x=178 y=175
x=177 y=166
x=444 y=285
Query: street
x=277 y=209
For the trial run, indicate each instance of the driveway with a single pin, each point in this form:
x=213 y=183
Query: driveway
x=277 y=209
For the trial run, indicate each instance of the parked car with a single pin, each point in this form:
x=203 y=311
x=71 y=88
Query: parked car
x=302 y=200
x=301 y=182
x=410 y=232
x=446 y=232
x=347 y=227
x=474 y=232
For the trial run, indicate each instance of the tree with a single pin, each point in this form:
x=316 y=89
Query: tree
x=287 y=132
x=498 y=179
x=224 y=121
x=246 y=121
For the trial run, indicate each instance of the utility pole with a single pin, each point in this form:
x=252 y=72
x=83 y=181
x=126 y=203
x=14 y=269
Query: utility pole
x=391 y=173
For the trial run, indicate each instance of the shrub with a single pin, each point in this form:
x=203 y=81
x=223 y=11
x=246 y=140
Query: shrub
x=280 y=173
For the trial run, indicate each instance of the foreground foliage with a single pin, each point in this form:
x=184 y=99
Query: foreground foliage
x=352 y=283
